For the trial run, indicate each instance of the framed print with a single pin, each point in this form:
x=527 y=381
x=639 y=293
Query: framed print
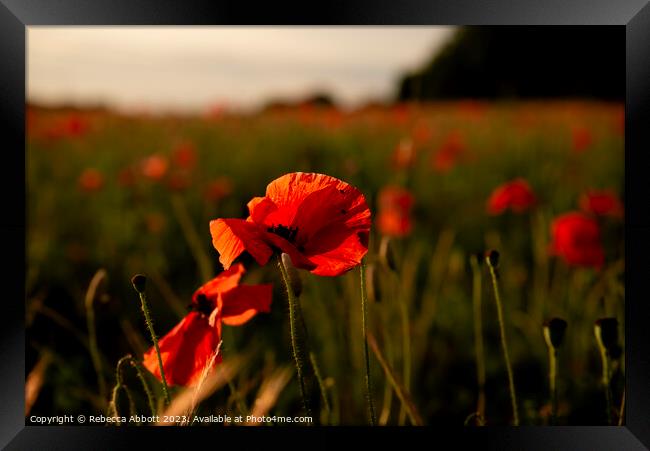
x=427 y=219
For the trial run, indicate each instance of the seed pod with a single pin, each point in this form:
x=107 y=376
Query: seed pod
x=372 y=283
x=554 y=330
x=294 y=276
x=139 y=282
x=606 y=330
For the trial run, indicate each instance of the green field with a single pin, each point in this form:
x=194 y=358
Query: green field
x=132 y=214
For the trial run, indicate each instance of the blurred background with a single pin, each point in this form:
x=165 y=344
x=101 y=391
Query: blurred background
x=138 y=137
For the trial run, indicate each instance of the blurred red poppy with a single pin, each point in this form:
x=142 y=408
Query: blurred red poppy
x=184 y=156
x=515 y=195
x=320 y=221
x=449 y=152
x=601 y=203
x=188 y=347
x=582 y=139
x=218 y=189
x=179 y=180
x=576 y=239
x=91 y=180
x=404 y=154
x=394 y=217
x=126 y=177
x=155 y=167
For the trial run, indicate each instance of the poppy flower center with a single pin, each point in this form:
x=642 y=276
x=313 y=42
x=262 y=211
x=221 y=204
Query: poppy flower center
x=288 y=233
x=203 y=305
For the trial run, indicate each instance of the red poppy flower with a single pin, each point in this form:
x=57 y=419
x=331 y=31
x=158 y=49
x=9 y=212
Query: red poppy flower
x=320 y=221
x=582 y=139
x=447 y=155
x=187 y=348
x=91 y=180
x=515 y=195
x=394 y=218
x=218 y=189
x=601 y=203
x=155 y=167
x=404 y=154
x=184 y=156
x=576 y=238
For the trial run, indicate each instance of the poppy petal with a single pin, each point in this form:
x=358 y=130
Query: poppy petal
x=243 y=302
x=184 y=351
x=298 y=258
x=231 y=237
x=335 y=252
x=225 y=281
x=260 y=207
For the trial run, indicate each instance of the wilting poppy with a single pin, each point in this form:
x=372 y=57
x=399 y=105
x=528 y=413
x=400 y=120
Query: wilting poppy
x=91 y=180
x=188 y=347
x=582 y=139
x=394 y=217
x=601 y=203
x=516 y=195
x=576 y=239
x=155 y=167
x=320 y=221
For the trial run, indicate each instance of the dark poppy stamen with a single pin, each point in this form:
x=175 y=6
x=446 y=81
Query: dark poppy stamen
x=202 y=305
x=288 y=233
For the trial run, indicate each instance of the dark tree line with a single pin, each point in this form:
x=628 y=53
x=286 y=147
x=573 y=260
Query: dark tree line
x=524 y=61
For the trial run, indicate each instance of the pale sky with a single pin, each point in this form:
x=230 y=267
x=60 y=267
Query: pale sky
x=188 y=69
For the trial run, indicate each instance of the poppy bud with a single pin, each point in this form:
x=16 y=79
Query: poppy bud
x=493 y=258
x=606 y=330
x=386 y=253
x=139 y=282
x=294 y=277
x=372 y=283
x=554 y=330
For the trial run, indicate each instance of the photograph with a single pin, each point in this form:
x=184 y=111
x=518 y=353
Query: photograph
x=325 y=226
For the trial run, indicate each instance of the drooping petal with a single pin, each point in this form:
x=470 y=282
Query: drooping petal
x=225 y=281
x=241 y=303
x=231 y=237
x=185 y=350
x=337 y=251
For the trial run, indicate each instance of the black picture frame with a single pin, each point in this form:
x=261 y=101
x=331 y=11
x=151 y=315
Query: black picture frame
x=633 y=15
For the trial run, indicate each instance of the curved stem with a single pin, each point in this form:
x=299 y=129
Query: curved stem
x=92 y=332
x=364 y=314
x=504 y=344
x=296 y=345
x=552 y=375
x=154 y=339
x=478 y=336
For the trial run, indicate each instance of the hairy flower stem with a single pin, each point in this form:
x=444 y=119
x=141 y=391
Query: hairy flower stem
x=154 y=339
x=297 y=347
x=478 y=335
x=504 y=342
x=321 y=385
x=145 y=386
x=364 y=314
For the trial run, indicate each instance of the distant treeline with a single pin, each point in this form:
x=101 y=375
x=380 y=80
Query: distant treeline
x=523 y=61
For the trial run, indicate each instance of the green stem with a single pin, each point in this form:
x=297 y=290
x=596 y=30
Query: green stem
x=621 y=413
x=364 y=314
x=193 y=239
x=296 y=345
x=321 y=385
x=504 y=344
x=606 y=382
x=552 y=375
x=154 y=339
x=406 y=349
x=92 y=332
x=478 y=335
